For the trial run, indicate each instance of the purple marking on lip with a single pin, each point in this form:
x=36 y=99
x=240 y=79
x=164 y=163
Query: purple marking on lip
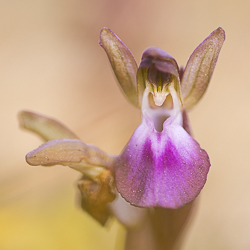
x=166 y=169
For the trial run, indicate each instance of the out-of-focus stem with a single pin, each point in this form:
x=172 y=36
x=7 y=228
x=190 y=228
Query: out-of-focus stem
x=161 y=230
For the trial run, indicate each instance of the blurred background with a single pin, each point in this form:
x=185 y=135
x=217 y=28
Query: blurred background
x=50 y=62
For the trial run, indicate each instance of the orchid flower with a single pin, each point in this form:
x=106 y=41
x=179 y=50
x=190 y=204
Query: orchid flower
x=162 y=165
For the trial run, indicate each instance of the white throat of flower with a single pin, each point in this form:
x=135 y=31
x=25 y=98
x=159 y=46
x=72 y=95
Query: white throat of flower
x=160 y=113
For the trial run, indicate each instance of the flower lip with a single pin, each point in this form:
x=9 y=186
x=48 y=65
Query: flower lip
x=166 y=169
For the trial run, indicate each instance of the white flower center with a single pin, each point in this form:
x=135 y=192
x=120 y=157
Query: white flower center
x=159 y=109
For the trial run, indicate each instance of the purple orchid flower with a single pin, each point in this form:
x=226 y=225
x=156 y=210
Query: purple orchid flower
x=162 y=165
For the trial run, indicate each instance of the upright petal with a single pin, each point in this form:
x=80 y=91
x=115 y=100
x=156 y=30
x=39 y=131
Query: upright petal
x=46 y=127
x=200 y=67
x=166 y=169
x=122 y=62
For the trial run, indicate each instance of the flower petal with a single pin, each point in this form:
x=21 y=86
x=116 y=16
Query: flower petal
x=157 y=54
x=122 y=62
x=47 y=128
x=84 y=158
x=200 y=67
x=166 y=169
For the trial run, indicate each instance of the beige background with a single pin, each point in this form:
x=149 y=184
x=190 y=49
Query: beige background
x=50 y=62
